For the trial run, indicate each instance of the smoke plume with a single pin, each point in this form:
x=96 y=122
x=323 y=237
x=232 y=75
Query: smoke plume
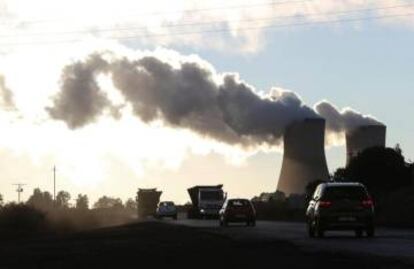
x=188 y=94
x=80 y=100
x=342 y=121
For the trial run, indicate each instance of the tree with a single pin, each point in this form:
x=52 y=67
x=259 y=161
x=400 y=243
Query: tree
x=82 y=202
x=40 y=200
x=380 y=169
x=398 y=149
x=62 y=199
x=340 y=175
x=1 y=201
x=108 y=202
x=131 y=205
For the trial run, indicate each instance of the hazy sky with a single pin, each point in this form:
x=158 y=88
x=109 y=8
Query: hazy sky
x=353 y=53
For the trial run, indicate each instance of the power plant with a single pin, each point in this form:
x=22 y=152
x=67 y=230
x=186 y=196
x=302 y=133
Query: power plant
x=364 y=137
x=304 y=156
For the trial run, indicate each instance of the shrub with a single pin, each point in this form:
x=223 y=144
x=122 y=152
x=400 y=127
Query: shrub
x=21 y=219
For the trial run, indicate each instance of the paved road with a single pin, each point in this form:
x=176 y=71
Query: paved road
x=398 y=244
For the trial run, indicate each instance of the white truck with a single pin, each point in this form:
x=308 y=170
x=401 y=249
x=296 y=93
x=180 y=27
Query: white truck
x=206 y=201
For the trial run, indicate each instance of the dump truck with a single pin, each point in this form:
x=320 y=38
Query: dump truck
x=147 y=200
x=206 y=201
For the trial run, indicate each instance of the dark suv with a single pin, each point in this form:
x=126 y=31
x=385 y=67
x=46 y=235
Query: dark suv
x=238 y=210
x=340 y=206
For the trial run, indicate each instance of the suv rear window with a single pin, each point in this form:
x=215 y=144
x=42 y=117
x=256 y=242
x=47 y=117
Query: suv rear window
x=344 y=192
x=239 y=203
x=167 y=204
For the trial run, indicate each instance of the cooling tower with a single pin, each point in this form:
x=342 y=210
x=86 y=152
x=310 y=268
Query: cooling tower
x=304 y=156
x=364 y=137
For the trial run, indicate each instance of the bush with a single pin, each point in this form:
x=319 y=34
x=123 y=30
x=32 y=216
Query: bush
x=20 y=219
x=398 y=209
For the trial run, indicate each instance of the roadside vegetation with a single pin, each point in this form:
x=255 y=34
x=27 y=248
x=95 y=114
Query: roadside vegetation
x=41 y=215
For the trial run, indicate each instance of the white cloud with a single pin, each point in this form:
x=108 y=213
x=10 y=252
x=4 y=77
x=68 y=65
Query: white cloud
x=149 y=22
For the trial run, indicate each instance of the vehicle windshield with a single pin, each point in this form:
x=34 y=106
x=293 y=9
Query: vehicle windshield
x=345 y=192
x=167 y=204
x=238 y=203
x=211 y=195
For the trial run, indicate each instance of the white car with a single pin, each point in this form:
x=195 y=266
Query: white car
x=166 y=209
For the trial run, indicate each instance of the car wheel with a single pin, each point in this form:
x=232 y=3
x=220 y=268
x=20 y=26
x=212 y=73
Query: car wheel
x=311 y=230
x=225 y=223
x=358 y=233
x=320 y=232
x=371 y=232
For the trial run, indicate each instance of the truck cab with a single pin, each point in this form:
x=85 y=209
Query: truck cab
x=206 y=201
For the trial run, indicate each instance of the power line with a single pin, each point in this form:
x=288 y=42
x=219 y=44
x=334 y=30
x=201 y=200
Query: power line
x=192 y=11
x=214 y=31
x=211 y=23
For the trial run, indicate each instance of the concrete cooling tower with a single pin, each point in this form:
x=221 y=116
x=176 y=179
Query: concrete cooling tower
x=304 y=156
x=364 y=137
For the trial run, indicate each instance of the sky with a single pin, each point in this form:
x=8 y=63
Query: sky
x=355 y=54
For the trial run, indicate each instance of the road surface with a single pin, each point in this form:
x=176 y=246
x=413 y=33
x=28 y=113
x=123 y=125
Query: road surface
x=397 y=244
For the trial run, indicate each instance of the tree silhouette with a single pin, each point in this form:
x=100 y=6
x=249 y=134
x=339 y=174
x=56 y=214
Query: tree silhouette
x=82 y=202
x=380 y=169
x=108 y=202
x=1 y=201
x=131 y=205
x=62 y=199
x=340 y=174
x=40 y=200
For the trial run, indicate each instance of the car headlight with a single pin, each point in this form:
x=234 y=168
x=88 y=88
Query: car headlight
x=202 y=211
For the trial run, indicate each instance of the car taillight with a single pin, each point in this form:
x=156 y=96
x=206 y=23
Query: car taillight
x=368 y=203
x=325 y=204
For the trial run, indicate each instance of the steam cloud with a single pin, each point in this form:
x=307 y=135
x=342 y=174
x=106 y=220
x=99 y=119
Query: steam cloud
x=342 y=121
x=189 y=95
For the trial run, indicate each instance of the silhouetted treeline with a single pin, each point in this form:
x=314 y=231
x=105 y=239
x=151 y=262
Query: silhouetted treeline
x=41 y=214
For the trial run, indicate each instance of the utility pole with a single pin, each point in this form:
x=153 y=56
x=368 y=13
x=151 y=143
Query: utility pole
x=54 y=183
x=19 y=190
